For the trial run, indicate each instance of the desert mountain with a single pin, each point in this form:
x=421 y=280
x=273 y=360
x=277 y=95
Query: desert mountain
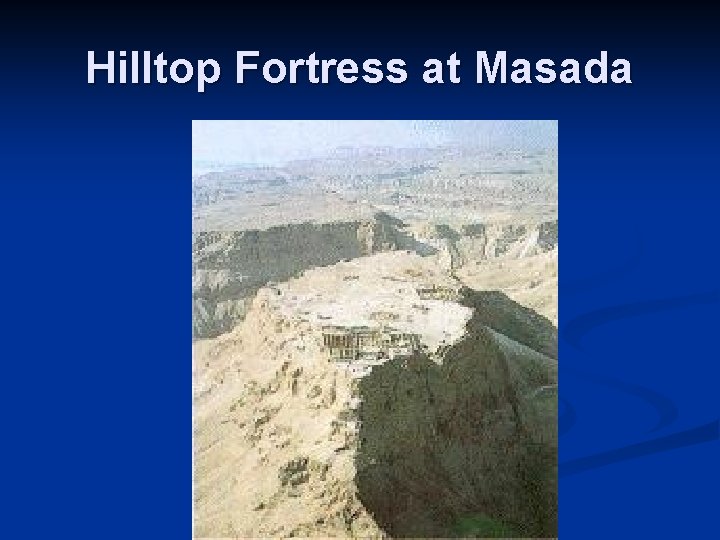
x=377 y=397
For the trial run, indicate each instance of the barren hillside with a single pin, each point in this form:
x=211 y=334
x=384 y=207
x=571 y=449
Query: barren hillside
x=375 y=350
x=289 y=441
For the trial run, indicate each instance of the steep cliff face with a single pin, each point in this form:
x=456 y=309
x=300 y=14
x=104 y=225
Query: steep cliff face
x=481 y=242
x=230 y=267
x=476 y=242
x=473 y=438
x=290 y=443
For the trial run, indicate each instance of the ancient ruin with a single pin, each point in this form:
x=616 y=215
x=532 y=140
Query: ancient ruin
x=341 y=343
x=437 y=292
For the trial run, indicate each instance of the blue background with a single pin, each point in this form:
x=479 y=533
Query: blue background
x=95 y=211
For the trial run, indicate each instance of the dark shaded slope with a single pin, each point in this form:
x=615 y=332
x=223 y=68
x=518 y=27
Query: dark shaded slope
x=496 y=310
x=470 y=441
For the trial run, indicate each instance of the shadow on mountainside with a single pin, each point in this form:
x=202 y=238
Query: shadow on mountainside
x=469 y=447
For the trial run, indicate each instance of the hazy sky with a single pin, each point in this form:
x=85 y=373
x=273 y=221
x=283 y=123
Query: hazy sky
x=276 y=141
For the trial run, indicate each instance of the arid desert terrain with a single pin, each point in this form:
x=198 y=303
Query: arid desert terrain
x=375 y=346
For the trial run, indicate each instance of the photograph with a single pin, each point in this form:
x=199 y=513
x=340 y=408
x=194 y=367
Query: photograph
x=374 y=329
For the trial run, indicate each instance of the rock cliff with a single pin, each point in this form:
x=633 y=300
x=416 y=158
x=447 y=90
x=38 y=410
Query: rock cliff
x=288 y=443
x=229 y=267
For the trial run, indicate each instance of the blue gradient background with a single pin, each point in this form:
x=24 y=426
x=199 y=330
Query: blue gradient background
x=95 y=210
